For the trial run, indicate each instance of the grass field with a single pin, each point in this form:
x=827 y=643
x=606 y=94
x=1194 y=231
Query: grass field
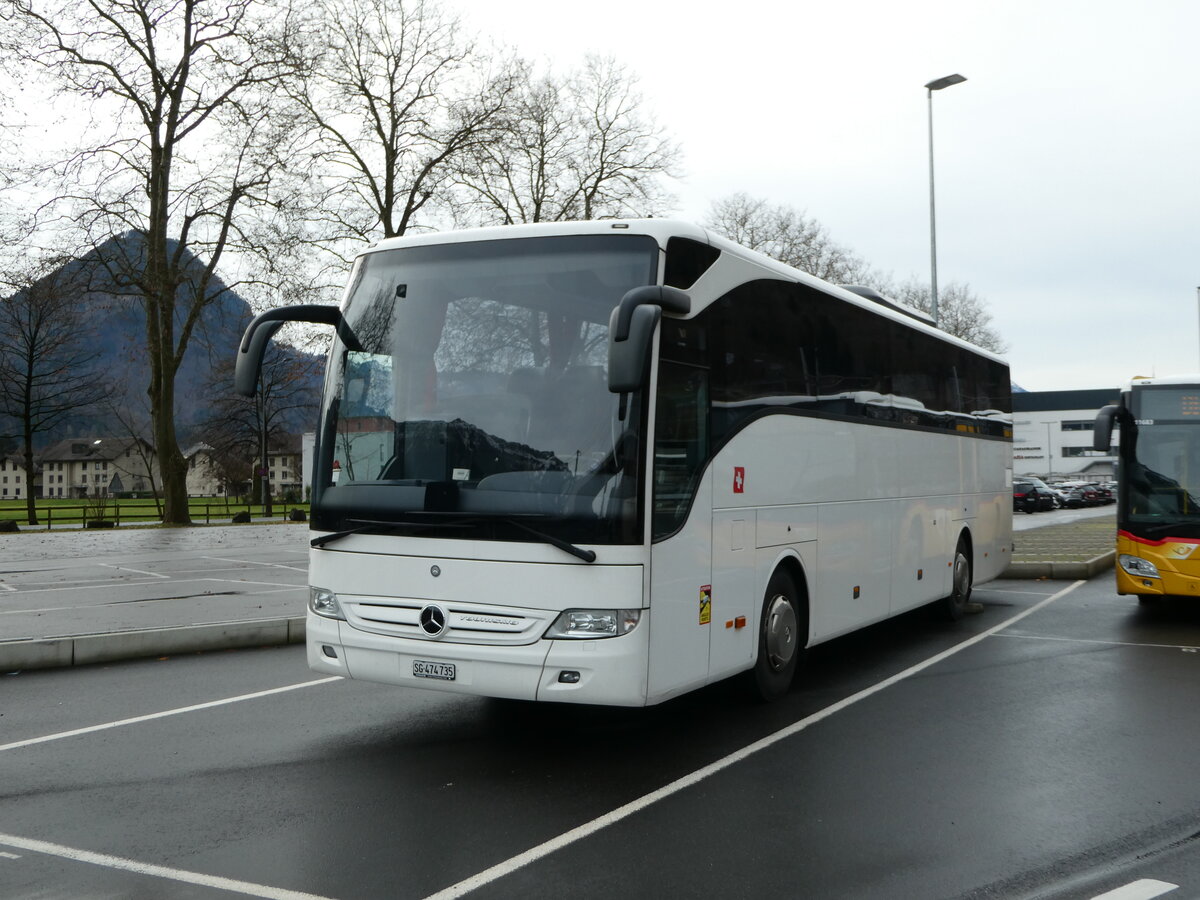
x=75 y=512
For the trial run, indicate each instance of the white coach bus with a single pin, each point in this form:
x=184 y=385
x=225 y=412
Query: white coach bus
x=611 y=462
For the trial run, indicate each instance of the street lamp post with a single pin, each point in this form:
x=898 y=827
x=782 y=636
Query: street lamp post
x=935 y=85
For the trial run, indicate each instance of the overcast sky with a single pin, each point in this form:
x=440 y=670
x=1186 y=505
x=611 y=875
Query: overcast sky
x=1067 y=166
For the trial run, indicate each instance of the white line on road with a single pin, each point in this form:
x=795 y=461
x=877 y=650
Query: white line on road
x=1144 y=889
x=533 y=854
x=10 y=856
x=16 y=745
x=138 y=571
x=140 y=868
x=276 y=588
x=1067 y=640
x=252 y=562
x=90 y=584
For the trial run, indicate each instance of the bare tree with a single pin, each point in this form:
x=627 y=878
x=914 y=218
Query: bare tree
x=236 y=430
x=135 y=423
x=961 y=312
x=48 y=367
x=788 y=235
x=187 y=144
x=583 y=147
x=391 y=94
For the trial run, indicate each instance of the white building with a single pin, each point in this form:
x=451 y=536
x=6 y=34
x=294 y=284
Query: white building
x=12 y=478
x=1052 y=435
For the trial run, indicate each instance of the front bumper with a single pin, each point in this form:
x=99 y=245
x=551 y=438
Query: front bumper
x=611 y=671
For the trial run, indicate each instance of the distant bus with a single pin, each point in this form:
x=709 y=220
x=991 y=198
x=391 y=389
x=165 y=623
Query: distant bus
x=611 y=462
x=1158 y=485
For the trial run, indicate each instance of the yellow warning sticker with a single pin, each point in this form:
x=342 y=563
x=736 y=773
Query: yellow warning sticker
x=706 y=604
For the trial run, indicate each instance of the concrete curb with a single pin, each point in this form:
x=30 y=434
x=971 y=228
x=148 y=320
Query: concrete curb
x=87 y=649
x=1067 y=571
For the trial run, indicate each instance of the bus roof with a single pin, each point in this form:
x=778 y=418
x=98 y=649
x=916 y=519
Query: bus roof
x=1151 y=380
x=663 y=230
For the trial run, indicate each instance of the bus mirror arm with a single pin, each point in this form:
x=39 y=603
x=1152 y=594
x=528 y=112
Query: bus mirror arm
x=1102 y=431
x=631 y=331
x=665 y=298
x=263 y=328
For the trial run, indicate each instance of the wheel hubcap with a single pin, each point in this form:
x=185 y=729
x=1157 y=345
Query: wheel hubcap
x=962 y=579
x=780 y=628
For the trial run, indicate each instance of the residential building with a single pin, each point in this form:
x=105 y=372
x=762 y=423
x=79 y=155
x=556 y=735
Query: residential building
x=101 y=467
x=286 y=466
x=12 y=478
x=1052 y=435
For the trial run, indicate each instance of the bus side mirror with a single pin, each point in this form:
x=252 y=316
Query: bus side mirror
x=263 y=328
x=627 y=359
x=631 y=332
x=1102 y=431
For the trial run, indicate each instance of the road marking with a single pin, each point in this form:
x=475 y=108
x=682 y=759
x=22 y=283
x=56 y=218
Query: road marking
x=251 y=562
x=138 y=571
x=16 y=745
x=1046 y=637
x=140 y=868
x=89 y=585
x=565 y=839
x=993 y=590
x=4 y=855
x=1143 y=889
x=277 y=588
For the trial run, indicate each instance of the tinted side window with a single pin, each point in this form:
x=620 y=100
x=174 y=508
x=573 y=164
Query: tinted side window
x=686 y=261
x=784 y=345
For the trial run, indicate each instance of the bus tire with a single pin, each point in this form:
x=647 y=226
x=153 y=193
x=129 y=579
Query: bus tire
x=781 y=638
x=953 y=606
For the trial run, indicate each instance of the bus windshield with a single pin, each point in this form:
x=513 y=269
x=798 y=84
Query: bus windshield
x=1163 y=467
x=474 y=393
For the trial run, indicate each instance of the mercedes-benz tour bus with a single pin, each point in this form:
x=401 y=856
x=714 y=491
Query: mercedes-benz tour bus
x=610 y=462
x=1158 y=485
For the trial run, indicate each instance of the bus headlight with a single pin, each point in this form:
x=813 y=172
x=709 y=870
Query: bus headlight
x=1135 y=565
x=324 y=602
x=593 y=623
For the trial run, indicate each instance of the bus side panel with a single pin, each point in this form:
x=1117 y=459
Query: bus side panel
x=681 y=583
x=849 y=472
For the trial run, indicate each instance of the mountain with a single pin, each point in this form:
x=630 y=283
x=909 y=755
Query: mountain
x=117 y=328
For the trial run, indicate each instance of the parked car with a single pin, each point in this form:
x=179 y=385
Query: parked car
x=1073 y=495
x=1105 y=491
x=1042 y=486
x=1028 y=497
x=1080 y=494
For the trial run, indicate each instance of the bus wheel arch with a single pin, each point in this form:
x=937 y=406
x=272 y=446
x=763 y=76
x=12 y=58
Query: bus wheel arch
x=954 y=605
x=782 y=631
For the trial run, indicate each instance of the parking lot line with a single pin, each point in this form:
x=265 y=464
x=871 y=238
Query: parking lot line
x=533 y=854
x=140 y=868
x=135 y=720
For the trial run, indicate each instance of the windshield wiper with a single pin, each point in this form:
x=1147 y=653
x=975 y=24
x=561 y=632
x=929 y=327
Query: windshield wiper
x=566 y=546
x=365 y=527
x=368 y=527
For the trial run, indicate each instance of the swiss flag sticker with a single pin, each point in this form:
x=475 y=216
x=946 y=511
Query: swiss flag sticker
x=739 y=479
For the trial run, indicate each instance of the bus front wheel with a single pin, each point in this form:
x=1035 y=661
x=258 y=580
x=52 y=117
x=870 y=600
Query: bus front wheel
x=955 y=605
x=781 y=638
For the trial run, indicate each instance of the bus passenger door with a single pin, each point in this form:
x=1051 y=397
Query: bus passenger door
x=731 y=639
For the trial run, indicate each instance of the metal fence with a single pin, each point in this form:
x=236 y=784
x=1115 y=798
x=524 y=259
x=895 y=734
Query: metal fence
x=114 y=514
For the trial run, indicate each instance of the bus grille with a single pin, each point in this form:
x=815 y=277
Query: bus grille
x=466 y=623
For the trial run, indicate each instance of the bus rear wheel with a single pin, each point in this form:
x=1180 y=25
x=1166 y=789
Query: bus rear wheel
x=781 y=638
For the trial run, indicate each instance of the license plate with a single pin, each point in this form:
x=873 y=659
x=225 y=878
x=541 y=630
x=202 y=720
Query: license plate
x=439 y=670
